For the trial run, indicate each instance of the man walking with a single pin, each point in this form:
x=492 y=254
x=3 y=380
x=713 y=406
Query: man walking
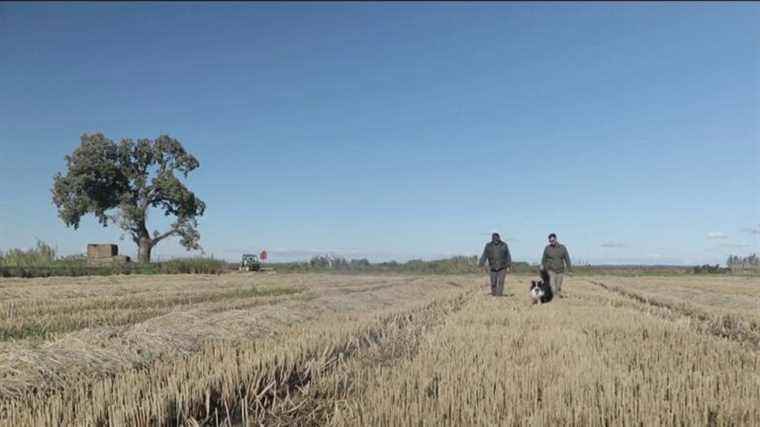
x=555 y=261
x=499 y=262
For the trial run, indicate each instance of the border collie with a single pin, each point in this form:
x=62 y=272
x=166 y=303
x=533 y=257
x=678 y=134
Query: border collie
x=540 y=291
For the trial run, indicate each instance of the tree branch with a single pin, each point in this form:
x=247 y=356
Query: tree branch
x=159 y=237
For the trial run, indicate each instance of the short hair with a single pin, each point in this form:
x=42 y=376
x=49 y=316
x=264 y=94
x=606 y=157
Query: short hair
x=552 y=235
x=495 y=234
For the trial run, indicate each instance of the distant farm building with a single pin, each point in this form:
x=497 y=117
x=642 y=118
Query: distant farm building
x=99 y=254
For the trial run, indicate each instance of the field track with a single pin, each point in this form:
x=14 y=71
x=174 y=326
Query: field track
x=244 y=349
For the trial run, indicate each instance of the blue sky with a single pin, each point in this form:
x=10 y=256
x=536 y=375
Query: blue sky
x=399 y=130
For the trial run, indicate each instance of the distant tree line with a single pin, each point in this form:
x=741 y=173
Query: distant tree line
x=453 y=265
x=751 y=261
x=469 y=264
x=710 y=269
x=338 y=263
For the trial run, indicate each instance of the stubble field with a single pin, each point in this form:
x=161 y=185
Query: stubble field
x=318 y=349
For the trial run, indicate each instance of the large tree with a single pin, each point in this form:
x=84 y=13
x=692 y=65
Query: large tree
x=119 y=182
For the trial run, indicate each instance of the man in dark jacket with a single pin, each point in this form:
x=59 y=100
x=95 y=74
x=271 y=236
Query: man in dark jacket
x=499 y=263
x=556 y=261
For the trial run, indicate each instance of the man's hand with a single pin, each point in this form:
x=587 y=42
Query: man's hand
x=509 y=269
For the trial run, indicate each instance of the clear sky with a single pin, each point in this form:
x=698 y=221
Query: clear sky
x=398 y=130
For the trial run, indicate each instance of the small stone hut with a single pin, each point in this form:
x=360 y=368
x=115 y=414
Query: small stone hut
x=99 y=254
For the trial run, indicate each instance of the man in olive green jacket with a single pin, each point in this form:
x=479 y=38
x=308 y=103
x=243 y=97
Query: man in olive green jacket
x=556 y=261
x=499 y=263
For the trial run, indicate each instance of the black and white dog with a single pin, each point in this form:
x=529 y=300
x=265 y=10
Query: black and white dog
x=540 y=291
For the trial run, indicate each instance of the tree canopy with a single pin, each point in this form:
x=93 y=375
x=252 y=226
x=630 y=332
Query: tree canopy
x=119 y=182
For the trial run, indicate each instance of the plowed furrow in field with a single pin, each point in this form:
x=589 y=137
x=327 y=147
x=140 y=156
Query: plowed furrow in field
x=127 y=375
x=306 y=392
x=726 y=325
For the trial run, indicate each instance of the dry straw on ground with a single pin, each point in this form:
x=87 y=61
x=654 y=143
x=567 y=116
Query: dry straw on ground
x=379 y=350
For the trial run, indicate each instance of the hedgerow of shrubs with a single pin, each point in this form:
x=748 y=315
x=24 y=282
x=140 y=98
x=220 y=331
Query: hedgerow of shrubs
x=42 y=261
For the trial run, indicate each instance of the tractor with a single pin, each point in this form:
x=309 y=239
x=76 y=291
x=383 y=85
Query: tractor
x=250 y=262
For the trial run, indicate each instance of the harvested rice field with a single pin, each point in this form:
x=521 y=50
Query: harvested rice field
x=389 y=350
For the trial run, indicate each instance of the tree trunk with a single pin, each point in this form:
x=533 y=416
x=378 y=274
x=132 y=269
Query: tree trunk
x=145 y=246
